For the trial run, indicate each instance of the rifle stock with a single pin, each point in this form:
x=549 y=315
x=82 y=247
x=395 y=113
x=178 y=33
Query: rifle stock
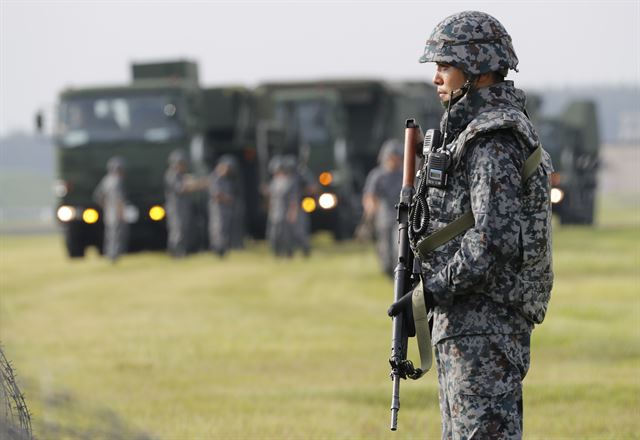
x=400 y=366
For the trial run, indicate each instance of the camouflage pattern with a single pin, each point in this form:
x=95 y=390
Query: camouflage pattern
x=110 y=195
x=480 y=385
x=509 y=248
x=177 y=206
x=472 y=41
x=492 y=282
x=384 y=185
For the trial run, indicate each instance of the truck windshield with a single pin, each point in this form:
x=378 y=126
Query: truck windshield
x=152 y=118
x=309 y=119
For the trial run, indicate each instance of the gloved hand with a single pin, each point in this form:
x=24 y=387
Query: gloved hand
x=404 y=306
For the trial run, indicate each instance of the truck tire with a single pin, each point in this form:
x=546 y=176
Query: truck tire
x=74 y=242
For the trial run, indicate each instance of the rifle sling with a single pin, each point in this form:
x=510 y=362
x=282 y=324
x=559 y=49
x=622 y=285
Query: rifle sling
x=423 y=333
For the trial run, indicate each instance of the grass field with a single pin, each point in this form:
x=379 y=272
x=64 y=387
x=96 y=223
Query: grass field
x=253 y=347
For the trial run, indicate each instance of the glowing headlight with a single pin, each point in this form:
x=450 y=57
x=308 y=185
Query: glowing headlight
x=66 y=213
x=156 y=213
x=556 y=195
x=308 y=204
x=325 y=178
x=90 y=216
x=328 y=201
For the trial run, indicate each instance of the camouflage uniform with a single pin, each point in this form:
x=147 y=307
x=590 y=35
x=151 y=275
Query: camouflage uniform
x=222 y=199
x=177 y=205
x=110 y=195
x=384 y=185
x=488 y=284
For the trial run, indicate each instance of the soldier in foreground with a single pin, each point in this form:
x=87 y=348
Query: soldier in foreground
x=178 y=184
x=379 y=198
x=110 y=195
x=489 y=284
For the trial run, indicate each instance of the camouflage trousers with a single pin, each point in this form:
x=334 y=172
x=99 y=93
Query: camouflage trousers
x=480 y=378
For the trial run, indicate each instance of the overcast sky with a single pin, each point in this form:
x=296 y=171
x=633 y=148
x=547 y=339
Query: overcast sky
x=48 y=45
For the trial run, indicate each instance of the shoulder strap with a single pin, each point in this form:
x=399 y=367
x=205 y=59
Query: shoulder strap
x=465 y=221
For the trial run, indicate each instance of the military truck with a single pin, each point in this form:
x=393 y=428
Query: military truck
x=337 y=128
x=162 y=110
x=572 y=140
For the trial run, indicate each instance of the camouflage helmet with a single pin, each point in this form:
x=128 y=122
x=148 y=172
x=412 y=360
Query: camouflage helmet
x=275 y=164
x=289 y=163
x=472 y=41
x=176 y=157
x=391 y=147
x=116 y=163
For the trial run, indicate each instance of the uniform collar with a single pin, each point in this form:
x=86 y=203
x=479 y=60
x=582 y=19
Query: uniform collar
x=476 y=101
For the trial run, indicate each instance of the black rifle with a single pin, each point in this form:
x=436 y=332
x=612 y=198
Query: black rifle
x=404 y=278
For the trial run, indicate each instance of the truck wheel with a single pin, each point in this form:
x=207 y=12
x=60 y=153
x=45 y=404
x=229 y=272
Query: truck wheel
x=74 y=242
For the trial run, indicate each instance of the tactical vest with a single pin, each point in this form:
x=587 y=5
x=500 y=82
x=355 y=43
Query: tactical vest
x=534 y=281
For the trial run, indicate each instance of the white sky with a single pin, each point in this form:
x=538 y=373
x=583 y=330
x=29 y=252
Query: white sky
x=48 y=45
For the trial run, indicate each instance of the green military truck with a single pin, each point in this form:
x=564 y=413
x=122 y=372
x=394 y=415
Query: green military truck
x=337 y=128
x=161 y=110
x=572 y=140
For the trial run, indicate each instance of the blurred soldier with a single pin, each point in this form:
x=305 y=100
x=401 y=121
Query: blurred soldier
x=110 y=195
x=490 y=281
x=284 y=200
x=222 y=198
x=380 y=195
x=177 y=186
x=306 y=187
x=238 y=216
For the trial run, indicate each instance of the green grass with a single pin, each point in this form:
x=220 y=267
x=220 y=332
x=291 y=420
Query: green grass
x=254 y=347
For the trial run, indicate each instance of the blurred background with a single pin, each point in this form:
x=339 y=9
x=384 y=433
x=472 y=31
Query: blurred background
x=257 y=347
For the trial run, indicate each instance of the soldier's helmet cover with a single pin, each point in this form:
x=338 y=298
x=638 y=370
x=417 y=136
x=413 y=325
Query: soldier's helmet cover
x=116 y=163
x=391 y=147
x=474 y=42
x=289 y=163
x=275 y=164
x=176 y=157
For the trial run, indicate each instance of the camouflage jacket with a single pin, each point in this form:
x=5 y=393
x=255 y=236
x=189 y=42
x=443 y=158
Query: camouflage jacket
x=483 y=280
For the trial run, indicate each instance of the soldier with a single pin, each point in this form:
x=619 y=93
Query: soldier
x=490 y=283
x=178 y=184
x=380 y=195
x=110 y=195
x=284 y=201
x=306 y=187
x=222 y=198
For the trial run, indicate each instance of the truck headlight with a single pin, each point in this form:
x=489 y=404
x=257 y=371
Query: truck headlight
x=556 y=195
x=156 y=213
x=308 y=204
x=66 y=213
x=90 y=216
x=327 y=201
